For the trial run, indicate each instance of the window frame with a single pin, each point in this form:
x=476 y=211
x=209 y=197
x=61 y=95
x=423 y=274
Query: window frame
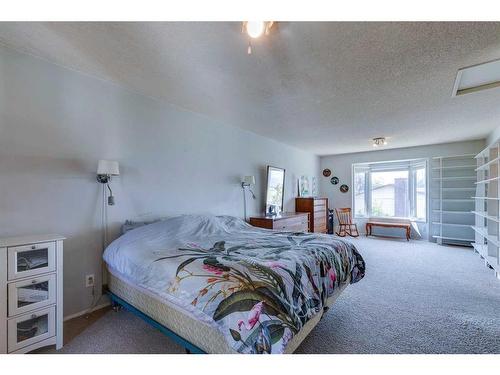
x=413 y=165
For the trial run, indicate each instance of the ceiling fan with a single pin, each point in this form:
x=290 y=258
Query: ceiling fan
x=255 y=29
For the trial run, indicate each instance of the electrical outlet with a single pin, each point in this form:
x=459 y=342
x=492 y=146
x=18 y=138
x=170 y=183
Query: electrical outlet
x=89 y=280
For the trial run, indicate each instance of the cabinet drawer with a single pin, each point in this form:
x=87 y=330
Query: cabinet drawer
x=31 y=260
x=31 y=294
x=31 y=328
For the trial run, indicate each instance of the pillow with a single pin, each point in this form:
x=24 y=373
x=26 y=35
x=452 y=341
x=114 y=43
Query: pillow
x=129 y=224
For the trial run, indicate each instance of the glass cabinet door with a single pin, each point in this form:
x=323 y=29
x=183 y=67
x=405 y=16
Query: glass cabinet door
x=31 y=294
x=31 y=328
x=31 y=260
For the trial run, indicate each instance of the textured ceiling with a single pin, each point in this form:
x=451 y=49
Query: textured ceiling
x=323 y=87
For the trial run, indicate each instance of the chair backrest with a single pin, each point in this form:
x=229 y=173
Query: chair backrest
x=344 y=215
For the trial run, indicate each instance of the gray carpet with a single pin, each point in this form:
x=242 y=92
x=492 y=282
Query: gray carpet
x=416 y=297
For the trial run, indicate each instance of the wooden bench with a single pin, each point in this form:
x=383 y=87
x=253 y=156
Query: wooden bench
x=405 y=226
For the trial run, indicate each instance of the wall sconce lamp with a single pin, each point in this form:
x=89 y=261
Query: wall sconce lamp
x=106 y=169
x=245 y=184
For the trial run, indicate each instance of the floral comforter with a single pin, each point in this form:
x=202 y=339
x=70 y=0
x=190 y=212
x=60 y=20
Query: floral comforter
x=256 y=286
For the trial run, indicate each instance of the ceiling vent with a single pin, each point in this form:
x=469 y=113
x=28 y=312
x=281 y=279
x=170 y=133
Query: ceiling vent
x=477 y=78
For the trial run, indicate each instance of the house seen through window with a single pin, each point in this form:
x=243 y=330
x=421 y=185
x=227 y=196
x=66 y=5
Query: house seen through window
x=391 y=189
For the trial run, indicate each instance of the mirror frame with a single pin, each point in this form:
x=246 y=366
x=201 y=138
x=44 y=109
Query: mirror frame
x=269 y=168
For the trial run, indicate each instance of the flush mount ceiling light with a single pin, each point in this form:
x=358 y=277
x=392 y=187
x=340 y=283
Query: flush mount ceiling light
x=379 y=141
x=477 y=78
x=255 y=29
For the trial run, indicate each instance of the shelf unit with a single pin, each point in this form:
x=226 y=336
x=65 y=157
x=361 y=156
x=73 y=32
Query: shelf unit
x=487 y=207
x=452 y=185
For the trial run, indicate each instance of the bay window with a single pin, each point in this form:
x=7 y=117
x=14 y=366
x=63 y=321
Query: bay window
x=395 y=189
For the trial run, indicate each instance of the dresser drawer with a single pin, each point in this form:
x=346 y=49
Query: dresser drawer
x=320 y=219
x=319 y=202
x=31 y=260
x=31 y=294
x=31 y=328
x=319 y=212
x=298 y=228
x=295 y=224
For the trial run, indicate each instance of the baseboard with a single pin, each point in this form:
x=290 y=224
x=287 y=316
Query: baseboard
x=86 y=311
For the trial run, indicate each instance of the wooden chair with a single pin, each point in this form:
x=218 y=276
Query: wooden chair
x=346 y=226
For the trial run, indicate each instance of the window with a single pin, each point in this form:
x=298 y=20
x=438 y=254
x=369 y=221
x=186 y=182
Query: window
x=390 y=189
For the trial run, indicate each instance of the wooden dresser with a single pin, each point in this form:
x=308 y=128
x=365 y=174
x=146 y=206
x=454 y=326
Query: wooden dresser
x=318 y=212
x=285 y=222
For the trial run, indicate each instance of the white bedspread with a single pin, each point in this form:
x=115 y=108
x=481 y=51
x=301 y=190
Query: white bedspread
x=256 y=286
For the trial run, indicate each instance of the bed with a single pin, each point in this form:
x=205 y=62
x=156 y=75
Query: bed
x=218 y=285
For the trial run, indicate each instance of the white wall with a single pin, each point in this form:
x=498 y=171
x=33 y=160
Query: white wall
x=341 y=166
x=54 y=126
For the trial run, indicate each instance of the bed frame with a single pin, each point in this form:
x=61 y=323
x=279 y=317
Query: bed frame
x=117 y=302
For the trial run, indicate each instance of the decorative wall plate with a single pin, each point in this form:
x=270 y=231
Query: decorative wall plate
x=334 y=180
x=327 y=172
x=344 y=188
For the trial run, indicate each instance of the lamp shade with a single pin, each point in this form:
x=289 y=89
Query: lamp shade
x=108 y=167
x=249 y=180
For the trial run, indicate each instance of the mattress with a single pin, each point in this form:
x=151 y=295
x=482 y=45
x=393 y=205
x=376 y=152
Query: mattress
x=200 y=334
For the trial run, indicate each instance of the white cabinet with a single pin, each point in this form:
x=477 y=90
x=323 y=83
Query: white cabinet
x=33 y=259
x=31 y=293
x=31 y=328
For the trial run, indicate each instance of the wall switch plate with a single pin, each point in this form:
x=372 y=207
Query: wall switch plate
x=89 y=280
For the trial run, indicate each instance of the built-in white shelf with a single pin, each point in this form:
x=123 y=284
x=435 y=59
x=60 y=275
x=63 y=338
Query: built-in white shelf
x=461 y=156
x=487 y=181
x=458 y=189
x=451 y=187
x=455 y=199
x=482 y=231
x=486 y=216
x=487 y=206
x=454 y=178
x=486 y=152
x=483 y=251
x=451 y=224
x=485 y=166
x=455 y=167
x=454 y=239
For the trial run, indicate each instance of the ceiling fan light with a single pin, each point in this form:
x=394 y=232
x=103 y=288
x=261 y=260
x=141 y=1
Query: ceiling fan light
x=255 y=28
